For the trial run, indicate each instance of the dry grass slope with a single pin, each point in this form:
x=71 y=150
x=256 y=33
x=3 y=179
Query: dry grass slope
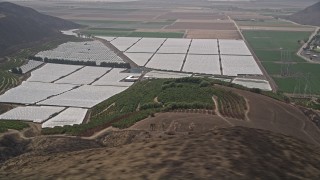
x=233 y=153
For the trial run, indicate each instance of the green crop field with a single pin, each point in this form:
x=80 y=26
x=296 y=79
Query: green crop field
x=131 y=33
x=268 y=23
x=9 y=124
x=267 y=44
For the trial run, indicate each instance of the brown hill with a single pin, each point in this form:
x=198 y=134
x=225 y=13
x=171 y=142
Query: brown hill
x=230 y=153
x=21 y=26
x=308 y=16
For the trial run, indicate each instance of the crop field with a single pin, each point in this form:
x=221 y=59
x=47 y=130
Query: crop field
x=253 y=83
x=52 y=72
x=202 y=25
x=235 y=65
x=177 y=46
x=138 y=102
x=204 y=46
x=202 y=64
x=232 y=105
x=201 y=56
x=166 y=75
x=193 y=16
x=114 y=78
x=33 y=92
x=124 y=43
x=86 y=75
x=107 y=38
x=7 y=81
x=8 y=124
x=233 y=47
x=30 y=66
x=110 y=24
x=37 y=114
x=166 y=62
x=267 y=44
x=84 y=96
x=146 y=45
x=90 y=51
x=70 y=116
x=139 y=58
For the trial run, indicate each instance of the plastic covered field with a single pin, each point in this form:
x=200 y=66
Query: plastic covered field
x=85 y=75
x=166 y=62
x=84 y=96
x=69 y=116
x=237 y=65
x=204 y=64
x=146 y=45
x=204 y=46
x=36 y=114
x=123 y=43
x=51 y=72
x=93 y=51
x=33 y=92
x=175 y=46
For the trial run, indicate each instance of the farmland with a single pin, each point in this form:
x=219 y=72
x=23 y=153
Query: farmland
x=138 y=102
x=267 y=46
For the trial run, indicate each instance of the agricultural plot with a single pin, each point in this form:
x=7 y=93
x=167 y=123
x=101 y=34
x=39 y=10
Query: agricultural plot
x=165 y=75
x=204 y=46
x=37 y=114
x=84 y=96
x=51 y=72
x=32 y=92
x=69 y=116
x=202 y=26
x=70 y=32
x=114 y=78
x=107 y=38
x=234 y=47
x=92 y=51
x=166 y=62
x=7 y=81
x=30 y=66
x=86 y=75
x=139 y=58
x=175 y=46
x=123 y=43
x=203 y=64
x=232 y=105
x=239 y=65
x=253 y=83
x=268 y=45
x=146 y=45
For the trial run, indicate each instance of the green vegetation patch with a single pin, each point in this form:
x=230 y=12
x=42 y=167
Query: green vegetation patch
x=9 y=124
x=157 y=34
x=267 y=44
x=130 y=33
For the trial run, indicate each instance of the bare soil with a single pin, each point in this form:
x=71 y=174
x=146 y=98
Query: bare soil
x=232 y=153
x=202 y=25
x=210 y=34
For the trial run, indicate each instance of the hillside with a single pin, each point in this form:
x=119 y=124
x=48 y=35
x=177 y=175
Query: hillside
x=21 y=26
x=308 y=16
x=232 y=153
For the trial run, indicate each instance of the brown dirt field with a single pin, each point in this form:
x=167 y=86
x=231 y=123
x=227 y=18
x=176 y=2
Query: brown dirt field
x=278 y=117
x=265 y=113
x=204 y=21
x=248 y=16
x=192 y=15
x=277 y=28
x=183 y=121
x=159 y=30
x=233 y=153
x=204 y=26
x=209 y=34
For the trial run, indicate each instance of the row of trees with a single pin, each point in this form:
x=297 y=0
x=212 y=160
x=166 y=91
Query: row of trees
x=85 y=63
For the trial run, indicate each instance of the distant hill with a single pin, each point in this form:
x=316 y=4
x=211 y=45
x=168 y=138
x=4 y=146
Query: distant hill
x=21 y=25
x=308 y=16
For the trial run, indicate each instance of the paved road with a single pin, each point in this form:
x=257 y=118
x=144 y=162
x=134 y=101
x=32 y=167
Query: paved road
x=299 y=53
